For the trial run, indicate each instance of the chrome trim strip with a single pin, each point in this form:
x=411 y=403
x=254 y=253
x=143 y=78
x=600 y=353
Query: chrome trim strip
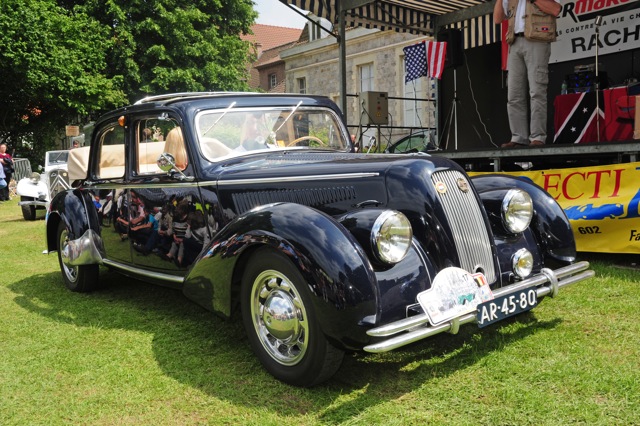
x=142 y=272
x=297 y=178
x=416 y=328
x=107 y=185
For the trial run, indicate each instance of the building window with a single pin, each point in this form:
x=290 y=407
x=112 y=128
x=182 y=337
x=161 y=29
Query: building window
x=302 y=85
x=365 y=73
x=273 y=81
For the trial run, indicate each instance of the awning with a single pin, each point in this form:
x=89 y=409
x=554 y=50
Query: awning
x=414 y=16
x=426 y=17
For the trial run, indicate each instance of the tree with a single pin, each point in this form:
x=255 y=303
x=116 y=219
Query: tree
x=52 y=65
x=63 y=60
x=177 y=45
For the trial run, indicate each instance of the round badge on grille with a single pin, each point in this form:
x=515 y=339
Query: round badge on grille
x=441 y=187
x=463 y=185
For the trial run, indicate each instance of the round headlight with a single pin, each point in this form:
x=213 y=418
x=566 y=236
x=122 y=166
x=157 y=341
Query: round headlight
x=391 y=236
x=522 y=263
x=517 y=210
x=35 y=177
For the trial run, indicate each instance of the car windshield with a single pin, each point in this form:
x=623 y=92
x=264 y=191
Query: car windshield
x=57 y=157
x=232 y=132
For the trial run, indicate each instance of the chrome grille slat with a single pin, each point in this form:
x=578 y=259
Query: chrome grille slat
x=471 y=237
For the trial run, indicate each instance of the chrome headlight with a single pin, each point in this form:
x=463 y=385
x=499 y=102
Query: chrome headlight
x=522 y=263
x=517 y=210
x=391 y=236
x=35 y=177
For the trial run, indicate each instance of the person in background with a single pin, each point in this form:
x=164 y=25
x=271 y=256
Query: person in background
x=174 y=145
x=147 y=135
x=532 y=28
x=7 y=166
x=3 y=183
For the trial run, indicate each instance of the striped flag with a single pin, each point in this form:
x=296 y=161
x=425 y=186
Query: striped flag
x=425 y=59
x=415 y=61
x=575 y=118
x=436 y=55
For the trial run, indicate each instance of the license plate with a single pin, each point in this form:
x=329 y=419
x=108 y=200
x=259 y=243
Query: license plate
x=502 y=307
x=454 y=292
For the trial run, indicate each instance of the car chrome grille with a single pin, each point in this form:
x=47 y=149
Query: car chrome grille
x=58 y=182
x=309 y=197
x=472 y=240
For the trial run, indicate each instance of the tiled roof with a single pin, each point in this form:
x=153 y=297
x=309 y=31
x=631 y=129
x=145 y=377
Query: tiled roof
x=271 y=56
x=269 y=36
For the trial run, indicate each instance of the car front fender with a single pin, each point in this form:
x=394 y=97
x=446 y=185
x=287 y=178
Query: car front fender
x=335 y=267
x=27 y=188
x=74 y=208
x=550 y=224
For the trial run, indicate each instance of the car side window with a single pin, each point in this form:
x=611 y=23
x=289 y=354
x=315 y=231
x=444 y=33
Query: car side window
x=111 y=160
x=156 y=136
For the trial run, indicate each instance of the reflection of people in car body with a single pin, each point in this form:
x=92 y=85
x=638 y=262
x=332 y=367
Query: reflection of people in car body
x=179 y=230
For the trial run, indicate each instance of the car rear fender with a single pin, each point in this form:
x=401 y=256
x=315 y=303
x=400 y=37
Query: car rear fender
x=334 y=266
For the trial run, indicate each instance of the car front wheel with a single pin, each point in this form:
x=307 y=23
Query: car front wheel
x=28 y=212
x=281 y=324
x=80 y=278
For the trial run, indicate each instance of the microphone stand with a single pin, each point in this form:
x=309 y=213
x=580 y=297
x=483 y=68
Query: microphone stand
x=598 y=21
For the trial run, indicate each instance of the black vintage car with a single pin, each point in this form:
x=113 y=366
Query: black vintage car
x=258 y=204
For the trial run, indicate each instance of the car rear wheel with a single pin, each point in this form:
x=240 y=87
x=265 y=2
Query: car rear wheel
x=281 y=323
x=28 y=212
x=79 y=278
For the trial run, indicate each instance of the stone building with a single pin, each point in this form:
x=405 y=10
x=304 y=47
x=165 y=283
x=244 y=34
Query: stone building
x=375 y=63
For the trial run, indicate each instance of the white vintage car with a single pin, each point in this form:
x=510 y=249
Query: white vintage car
x=37 y=190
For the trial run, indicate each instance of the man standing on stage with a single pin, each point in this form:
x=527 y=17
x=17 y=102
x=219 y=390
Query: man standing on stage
x=532 y=28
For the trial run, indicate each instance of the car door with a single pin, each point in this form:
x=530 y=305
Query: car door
x=168 y=226
x=108 y=191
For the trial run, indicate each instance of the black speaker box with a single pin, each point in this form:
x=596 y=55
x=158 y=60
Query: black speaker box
x=585 y=81
x=455 y=48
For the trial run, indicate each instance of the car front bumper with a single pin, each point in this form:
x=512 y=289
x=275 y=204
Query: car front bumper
x=33 y=203
x=412 y=329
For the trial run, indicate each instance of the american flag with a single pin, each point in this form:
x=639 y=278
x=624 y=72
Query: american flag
x=424 y=59
x=415 y=59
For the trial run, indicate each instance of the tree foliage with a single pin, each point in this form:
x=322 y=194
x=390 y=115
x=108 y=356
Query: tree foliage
x=52 y=68
x=182 y=45
x=63 y=60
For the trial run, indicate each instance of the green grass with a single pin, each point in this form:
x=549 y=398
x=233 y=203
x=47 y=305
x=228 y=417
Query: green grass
x=137 y=354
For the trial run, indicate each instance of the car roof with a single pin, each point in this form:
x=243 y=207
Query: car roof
x=196 y=100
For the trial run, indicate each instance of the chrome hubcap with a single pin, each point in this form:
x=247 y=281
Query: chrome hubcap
x=279 y=317
x=71 y=272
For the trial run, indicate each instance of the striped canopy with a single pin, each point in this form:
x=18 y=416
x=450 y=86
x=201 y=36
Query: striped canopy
x=414 y=16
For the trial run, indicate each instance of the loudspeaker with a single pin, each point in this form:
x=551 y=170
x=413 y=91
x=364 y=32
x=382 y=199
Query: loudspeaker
x=455 y=48
x=585 y=81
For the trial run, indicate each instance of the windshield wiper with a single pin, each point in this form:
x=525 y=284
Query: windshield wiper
x=289 y=116
x=229 y=108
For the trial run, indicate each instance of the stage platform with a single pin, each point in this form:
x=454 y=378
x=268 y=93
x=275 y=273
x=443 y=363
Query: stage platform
x=545 y=157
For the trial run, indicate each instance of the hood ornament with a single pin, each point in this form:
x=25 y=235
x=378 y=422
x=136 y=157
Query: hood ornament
x=463 y=185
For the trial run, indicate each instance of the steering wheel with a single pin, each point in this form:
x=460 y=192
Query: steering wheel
x=306 y=138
